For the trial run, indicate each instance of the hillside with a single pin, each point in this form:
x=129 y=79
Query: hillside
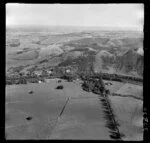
x=129 y=62
x=109 y=52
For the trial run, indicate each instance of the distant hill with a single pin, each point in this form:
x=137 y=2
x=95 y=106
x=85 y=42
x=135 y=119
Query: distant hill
x=91 y=51
x=129 y=62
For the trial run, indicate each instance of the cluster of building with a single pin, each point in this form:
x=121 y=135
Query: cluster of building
x=35 y=75
x=39 y=75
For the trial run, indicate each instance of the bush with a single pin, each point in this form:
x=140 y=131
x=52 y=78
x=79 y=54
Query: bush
x=59 y=87
x=107 y=91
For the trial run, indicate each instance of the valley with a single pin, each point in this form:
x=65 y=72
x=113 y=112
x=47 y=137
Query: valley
x=82 y=84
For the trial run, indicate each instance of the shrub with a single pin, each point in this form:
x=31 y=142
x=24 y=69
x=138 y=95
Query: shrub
x=59 y=87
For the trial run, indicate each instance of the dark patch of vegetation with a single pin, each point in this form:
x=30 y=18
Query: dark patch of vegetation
x=33 y=80
x=82 y=63
x=19 y=52
x=29 y=118
x=85 y=86
x=43 y=61
x=31 y=92
x=26 y=49
x=59 y=87
x=107 y=91
x=69 y=78
x=22 y=81
x=98 y=87
x=81 y=48
x=111 y=123
x=9 y=82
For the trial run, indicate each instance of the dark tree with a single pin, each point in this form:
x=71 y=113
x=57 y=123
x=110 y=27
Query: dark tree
x=59 y=87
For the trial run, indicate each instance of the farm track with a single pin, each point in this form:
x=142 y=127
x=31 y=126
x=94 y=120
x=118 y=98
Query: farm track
x=59 y=117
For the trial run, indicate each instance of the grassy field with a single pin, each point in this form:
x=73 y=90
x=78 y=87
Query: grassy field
x=131 y=89
x=129 y=114
x=114 y=87
x=82 y=117
x=45 y=104
x=83 y=120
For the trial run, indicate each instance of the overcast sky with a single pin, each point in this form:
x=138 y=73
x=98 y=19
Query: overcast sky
x=128 y=16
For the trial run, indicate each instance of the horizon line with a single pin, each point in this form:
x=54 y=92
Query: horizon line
x=79 y=26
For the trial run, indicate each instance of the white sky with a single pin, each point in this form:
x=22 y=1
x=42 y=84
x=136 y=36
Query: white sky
x=127 y=16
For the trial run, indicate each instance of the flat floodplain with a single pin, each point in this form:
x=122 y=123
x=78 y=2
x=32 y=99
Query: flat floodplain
x=40 y=111
x=44 y=106
x=31 y=116
x=82 y=119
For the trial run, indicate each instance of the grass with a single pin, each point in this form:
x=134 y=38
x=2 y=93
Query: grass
x=114 y=87
x=129 y=112
x=131 y=89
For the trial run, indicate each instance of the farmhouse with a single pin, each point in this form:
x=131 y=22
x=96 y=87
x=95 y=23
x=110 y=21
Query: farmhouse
x=38 y=73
